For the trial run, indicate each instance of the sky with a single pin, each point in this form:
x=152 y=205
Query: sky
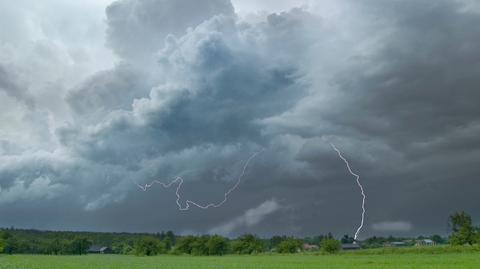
x=98 y=97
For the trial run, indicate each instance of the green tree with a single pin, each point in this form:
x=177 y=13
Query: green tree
x=330 y=245
x=171 y=237
x=56 y=247
x=184 y=245
x=290 y=245
x=217 y=245
x=346 y=239
x=437 y=239
x=149 y=246
x=11 y=245
x=3 y=242
x=122 y=248
x=199 y=246
x=248 y=244
x=79 y=245
x=463 y=231
x=477 y=236
x=458 y=220
x=276 y=240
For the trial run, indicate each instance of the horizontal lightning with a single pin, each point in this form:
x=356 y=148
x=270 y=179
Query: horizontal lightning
x=179 y=181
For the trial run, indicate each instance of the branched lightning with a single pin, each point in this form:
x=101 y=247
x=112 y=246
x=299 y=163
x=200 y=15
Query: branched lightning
x=179 y=181
x=357 y=177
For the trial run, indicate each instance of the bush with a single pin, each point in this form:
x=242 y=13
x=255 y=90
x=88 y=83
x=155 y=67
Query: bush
x=122 y=248
x=149 y=246
x=3 y=240
x=217 y=245
x=464 y=236
x=463 y=230
x=247 y=244
x=199 y=246
x=330 y=245
x=290 y=245
x=184 y=245
x=79 y=245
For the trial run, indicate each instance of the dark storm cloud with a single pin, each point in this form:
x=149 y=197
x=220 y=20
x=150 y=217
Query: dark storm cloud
x=393 y=84
x=409 y=106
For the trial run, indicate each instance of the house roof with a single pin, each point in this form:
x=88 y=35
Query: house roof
x=350 y=246
x=308 y=246
x=96 y=248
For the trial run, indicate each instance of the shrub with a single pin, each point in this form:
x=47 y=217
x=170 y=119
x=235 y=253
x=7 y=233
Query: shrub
x=247 y=244
x=290 y=245
x=217 y=245
x=330 y=245
x=463 y=230
x=184 y=245
x=79 y=245
x=199 y=246
x=149 y=246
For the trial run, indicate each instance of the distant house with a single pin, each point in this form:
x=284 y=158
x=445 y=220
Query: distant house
x=425 y=242
x=309 y=247
x=99 y=250
x=396 y=244
x=353 y=246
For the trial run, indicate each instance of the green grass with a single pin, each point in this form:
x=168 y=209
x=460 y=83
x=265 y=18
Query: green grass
x=274 y=261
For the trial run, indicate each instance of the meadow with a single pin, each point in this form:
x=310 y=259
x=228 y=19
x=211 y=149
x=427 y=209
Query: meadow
x=360 y=260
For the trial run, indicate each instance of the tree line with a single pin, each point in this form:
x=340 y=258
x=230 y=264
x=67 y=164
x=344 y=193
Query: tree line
x=13 y=241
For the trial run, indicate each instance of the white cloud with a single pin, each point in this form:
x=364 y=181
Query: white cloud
x=392 y=226
x=250 y=218
x=39 y=188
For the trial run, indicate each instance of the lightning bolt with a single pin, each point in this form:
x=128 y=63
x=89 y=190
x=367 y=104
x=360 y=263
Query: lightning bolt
x=357 y=177
x=179 y=181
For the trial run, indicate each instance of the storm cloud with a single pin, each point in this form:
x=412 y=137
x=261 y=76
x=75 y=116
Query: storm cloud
x=138 y=90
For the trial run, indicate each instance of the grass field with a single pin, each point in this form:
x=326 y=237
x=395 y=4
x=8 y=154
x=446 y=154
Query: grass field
x=294 y=261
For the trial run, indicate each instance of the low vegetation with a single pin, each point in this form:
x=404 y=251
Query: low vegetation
x=17 y=241
x=262 y=261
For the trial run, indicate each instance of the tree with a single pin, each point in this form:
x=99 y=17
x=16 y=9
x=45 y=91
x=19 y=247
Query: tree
x=290 y=245
x=248 y=244
x=330 y=245
x=3 y=242
x=463 y=231
x=346 y=239
x=11 y=245
x=199 y=246
x=148 y=246
x=217 y=245
x=437 y=239
x=57 y=247
x=458 y=220
x=276 y=240
x=184 y=245
x=79 y=245
x=171 y=237
x=122 y=248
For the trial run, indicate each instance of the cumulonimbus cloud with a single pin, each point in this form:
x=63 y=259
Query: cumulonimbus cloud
x=193 y=91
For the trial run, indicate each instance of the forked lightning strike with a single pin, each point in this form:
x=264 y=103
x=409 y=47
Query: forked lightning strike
x=357 y=177
x=179 y=181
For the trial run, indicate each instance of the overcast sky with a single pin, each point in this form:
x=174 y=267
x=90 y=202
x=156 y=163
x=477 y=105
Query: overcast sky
x=97 y=96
